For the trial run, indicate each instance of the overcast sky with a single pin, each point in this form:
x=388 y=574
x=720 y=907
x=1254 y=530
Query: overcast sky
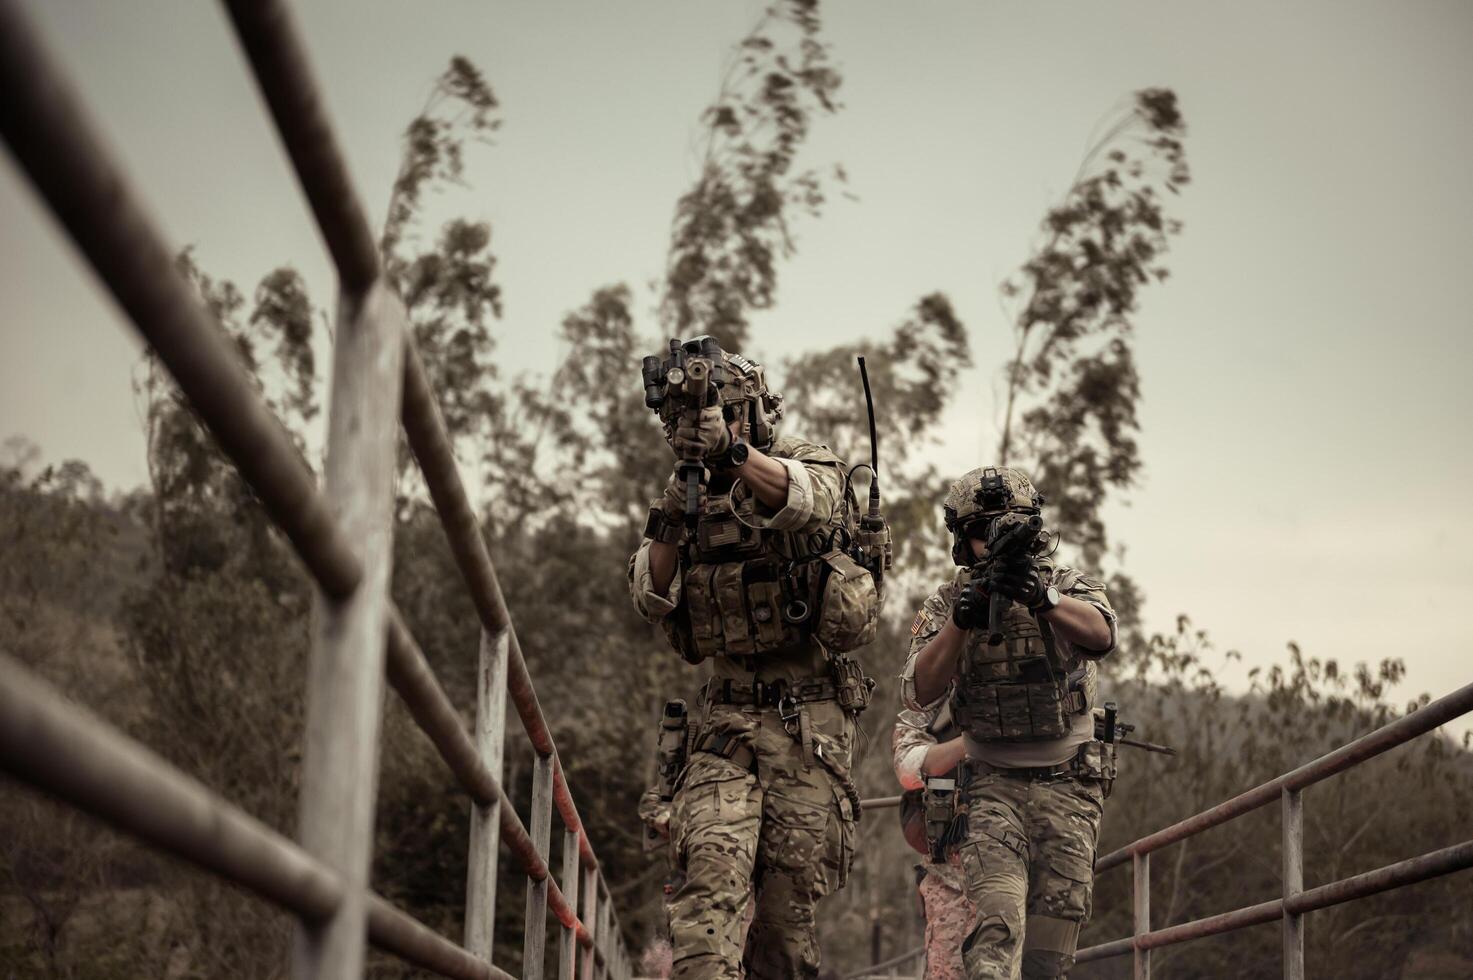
x=1306 y=413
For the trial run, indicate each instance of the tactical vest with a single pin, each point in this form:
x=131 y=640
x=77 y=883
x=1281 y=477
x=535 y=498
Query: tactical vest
x=750 y=591
x=1021 y=690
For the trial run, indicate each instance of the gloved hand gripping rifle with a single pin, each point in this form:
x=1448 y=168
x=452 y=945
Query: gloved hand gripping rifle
x=684 y=384
x=1012 y=539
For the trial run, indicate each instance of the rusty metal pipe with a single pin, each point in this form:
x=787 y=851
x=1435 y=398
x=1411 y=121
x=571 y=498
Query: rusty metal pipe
x=65 y=750
x=1408 y=872
x=1431 y=865
x=431 y=447
x=279 y=62
x=56 y=143
x=1104 y=951
x=1389 y=736
x=399 y=933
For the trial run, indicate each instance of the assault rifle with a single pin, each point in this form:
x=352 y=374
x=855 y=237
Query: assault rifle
x=1013 y=537
x=1109 y=729
x=687 y=381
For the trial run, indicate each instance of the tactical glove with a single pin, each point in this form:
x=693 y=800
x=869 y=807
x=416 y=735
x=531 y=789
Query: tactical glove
x=701 y=434
x=970 y=609
x=672 y=501
x=1018 y=581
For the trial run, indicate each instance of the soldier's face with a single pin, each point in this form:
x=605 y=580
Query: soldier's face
x=979 y=548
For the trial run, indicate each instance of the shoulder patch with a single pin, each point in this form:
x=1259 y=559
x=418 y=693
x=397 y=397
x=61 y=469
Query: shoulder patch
x=919 y=624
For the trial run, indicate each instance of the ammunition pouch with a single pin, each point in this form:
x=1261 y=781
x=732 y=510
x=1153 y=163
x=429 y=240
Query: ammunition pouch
x=766 y=605
x=1019 y=690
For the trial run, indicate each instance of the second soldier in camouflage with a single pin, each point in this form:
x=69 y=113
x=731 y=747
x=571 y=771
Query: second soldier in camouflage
x=1021 y=686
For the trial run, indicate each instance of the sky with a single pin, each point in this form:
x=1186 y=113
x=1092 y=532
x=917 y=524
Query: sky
x=1306 y=416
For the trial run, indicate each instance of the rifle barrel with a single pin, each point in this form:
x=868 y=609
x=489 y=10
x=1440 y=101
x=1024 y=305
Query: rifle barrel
x=1148 y=746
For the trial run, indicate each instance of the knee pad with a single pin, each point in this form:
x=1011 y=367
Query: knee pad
x=1048 y=946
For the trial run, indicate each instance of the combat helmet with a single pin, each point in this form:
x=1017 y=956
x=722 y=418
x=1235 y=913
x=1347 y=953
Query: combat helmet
x=980 y=495
x=745 y=394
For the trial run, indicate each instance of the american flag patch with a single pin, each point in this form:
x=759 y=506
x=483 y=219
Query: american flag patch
x=915 y=628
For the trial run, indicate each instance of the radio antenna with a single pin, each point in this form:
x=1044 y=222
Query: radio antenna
x=874 y=446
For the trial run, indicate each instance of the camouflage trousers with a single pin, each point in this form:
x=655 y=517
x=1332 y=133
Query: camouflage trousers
x=781 y=837
x=949 y=917
x=1029 y=865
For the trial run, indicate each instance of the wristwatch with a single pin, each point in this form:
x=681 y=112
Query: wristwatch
x=735 y=455
x=1049 y=601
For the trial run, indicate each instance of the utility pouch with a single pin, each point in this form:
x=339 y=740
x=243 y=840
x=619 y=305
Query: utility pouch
x=939 y=799
x=852 y=688
x=1096 y=760
x=674 y=739
x=875 y=546
x=849 y=606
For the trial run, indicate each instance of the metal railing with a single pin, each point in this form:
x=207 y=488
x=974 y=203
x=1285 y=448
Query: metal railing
x=343 y=535
x=1296 y=901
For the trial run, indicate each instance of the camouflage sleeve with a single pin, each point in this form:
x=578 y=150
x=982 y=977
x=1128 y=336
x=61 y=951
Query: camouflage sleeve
x=910 y=743
x=650 y=604
x=928 y=622
x=1080 y=586
x=815 y=488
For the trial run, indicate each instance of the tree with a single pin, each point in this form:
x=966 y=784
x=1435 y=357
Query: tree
x=732 y=227
x=1072 y=387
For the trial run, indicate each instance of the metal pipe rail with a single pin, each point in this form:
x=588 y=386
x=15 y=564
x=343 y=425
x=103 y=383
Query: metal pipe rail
x=47 y=129
x=1295 y=901
x=79 y=758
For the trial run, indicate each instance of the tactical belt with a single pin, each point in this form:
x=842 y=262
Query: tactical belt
x=775 y=695
x=970 y=769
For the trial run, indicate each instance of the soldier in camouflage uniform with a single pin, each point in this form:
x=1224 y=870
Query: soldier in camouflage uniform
x=926 y=745
x=765 y=810
x=1034 y=778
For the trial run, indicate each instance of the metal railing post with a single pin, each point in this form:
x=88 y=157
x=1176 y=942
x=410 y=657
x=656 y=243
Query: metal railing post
x=590 y=922
x=1141 y=868
x=534 y=935
x=346 y=677
x=567 y=938
x=602 y=939
x=485 y=829
x=1293 y=819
